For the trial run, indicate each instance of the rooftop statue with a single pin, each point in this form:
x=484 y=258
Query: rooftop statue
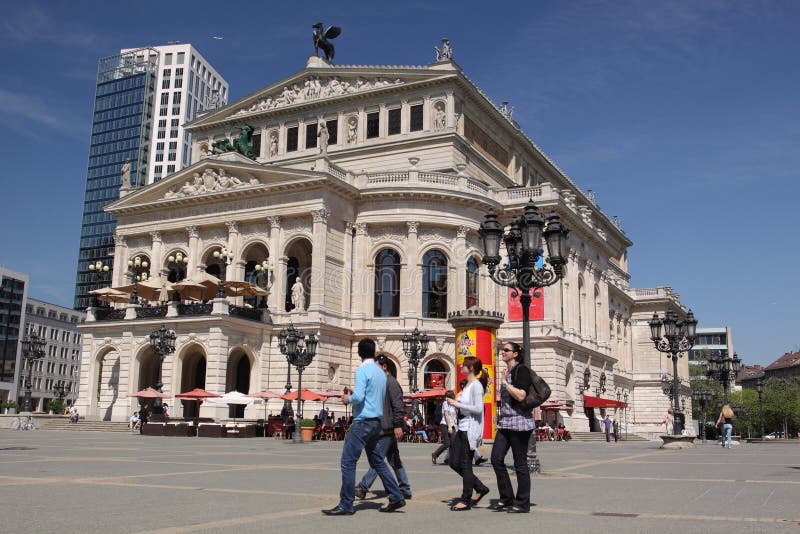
x=446 y=53
x=321 y=40
x=242 y=144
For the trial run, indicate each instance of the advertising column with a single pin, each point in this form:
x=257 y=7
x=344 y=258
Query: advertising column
x=475 y=336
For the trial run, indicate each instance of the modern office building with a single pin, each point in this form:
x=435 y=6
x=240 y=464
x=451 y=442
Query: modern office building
x=13 y=296
x=143 y=98
x=711 y=341
x=58 y=326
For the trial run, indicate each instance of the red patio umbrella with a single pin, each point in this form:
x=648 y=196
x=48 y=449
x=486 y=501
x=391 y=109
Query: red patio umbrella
x=305 y=395
x=197 y=395
x=428 y=394
x=150 y=393
x=266 y=395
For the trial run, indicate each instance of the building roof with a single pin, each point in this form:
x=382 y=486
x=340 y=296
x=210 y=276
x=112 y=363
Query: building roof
x=790 y=359
x=749 y=372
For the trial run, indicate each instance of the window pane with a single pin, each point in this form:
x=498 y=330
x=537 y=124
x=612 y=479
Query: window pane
x=387 y=284
x=394 y=121
x=416 y=118
x=373 y=125
x=291 y=139
x=333 y=131
x=434 y=285
x=311 y=135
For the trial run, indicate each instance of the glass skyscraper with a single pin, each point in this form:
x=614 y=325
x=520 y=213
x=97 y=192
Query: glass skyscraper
x=13 y=295
x=121 y=131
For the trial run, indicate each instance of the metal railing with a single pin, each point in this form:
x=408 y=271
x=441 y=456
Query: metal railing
x=151 y=311
x=194 y=309
x=254 y=314
x=109 y=314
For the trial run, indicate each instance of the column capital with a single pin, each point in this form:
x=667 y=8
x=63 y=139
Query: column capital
x=413 y=226
x=233 y=226
x=274 y=221
x=361 y=228
x=155 y=236
x=192 y=231
x=320 y=215
x=461 y=232
x=120 y=240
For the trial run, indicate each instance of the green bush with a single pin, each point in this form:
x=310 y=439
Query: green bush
x=306 y=423
x=56 y=406
x=9 y=404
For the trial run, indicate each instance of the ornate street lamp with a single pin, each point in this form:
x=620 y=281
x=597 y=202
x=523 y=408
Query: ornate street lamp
x=602 y=387
x=101 y=271
x=415 y=346
x=679 y=335
x=32 y=350
x=760 y=390
x=703 y=398
x=162 y=341
x=587 y=378
x=625 y=412
x=60 y=390
x=263 y=274
x=724 y=370
x=178 y=263
x=523 y=243
x=223 y=257
x=138 y=270
x=287 y=411
x=299 y=352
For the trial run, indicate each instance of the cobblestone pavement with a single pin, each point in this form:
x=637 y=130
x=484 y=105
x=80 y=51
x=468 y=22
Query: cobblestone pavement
x=57 y=481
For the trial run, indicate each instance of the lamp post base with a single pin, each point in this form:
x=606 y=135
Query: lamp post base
x=534 y=465
x=677 y=442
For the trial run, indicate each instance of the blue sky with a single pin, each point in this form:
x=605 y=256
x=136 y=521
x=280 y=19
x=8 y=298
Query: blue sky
x=683 y=116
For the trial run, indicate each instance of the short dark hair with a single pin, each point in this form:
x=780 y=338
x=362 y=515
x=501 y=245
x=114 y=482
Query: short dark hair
x=381 y=359
x=366 y=348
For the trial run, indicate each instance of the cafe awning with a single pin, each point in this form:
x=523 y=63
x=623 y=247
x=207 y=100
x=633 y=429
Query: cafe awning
x=599 y=402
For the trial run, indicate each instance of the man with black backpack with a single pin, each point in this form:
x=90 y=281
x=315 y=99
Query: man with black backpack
x=520 y=391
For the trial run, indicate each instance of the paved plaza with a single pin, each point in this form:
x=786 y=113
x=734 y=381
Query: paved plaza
x=58 y=481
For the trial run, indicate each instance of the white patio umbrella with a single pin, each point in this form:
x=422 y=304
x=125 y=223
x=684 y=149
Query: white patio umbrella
x=234 y=398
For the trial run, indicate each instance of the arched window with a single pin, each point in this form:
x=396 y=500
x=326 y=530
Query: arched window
x=387 y=283
x=472 y=282
x=434 y=285
x=435 y=374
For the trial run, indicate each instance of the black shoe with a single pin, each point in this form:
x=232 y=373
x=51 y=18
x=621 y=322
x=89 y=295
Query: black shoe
x=361 y=493
x=480 y=460
x=481 y=495
x=433 y=458
x=499 y=506
x=460 y=506
x=338 y=511
x=407 y=496
x=392 y=506
x=517 y=510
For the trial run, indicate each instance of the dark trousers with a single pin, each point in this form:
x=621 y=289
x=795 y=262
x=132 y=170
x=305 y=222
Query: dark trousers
x=608 y=439
x=445 y=441
x=517 y=441
x=461 y=463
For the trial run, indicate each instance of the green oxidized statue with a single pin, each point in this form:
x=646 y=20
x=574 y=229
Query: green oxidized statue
x=242 y=144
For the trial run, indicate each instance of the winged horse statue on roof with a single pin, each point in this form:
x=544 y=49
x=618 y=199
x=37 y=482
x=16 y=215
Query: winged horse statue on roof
x=321 y=39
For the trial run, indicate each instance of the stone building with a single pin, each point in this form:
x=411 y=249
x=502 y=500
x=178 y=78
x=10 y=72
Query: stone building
x=368 y=186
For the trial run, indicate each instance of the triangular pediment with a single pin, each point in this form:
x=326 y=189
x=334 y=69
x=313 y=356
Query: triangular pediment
x=312 y=85
x=212 y=179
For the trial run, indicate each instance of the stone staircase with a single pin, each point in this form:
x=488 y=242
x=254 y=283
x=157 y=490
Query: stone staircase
x=601 y=436
x=82 y=425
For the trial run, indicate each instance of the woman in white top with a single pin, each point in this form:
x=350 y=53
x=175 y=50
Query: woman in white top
x=470 y=433
x=447 y=425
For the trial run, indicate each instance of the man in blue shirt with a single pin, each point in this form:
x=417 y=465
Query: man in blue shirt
x=367 y=402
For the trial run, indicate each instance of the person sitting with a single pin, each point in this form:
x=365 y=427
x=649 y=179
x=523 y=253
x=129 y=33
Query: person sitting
x=419 y=430
x=74 y=416
x=133 y=422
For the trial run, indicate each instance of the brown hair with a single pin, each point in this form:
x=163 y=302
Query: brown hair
x=516 y=348
x=727 y=412
x=476 y=366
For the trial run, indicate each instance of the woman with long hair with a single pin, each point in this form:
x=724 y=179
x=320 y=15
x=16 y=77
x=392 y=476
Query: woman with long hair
x=470 y=433
x=726 y=420
x=447 y=425
x=514 y=428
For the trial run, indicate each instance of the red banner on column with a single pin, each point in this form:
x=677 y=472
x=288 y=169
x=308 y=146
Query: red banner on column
x=536 y=309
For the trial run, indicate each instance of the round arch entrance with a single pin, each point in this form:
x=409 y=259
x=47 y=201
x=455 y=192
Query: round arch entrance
x=298 y=266
x=238 y=377
x=193 y=375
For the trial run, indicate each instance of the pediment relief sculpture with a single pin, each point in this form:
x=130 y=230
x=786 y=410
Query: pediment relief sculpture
x=210 y=181
x=314 y=88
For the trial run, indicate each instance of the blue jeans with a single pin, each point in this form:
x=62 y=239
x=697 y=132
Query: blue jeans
x=364 y=434
x=387 y=447
x=727 y=428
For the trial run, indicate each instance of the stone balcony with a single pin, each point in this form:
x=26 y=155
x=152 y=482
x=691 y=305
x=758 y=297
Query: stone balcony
x=218 y=307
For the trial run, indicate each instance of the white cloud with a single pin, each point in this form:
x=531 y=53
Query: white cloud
x=19 y=106
x=35 y=25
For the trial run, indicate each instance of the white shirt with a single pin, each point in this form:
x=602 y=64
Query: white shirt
x=451 y=410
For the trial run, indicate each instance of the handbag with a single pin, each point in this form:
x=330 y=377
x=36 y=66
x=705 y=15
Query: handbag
x=538 y=393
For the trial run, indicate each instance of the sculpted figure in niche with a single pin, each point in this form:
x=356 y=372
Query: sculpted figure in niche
x=126 y=174
x=324 y=136
x=439 y=116
x=298 y=296
x=352 y=130
x=273 y=145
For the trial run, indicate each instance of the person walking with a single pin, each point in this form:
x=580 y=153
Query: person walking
x=447 y=425
x=514 y=429
x=607 y=426
x=367 y=401
x=615 y=430
x=144 y=417
x=391 y=431
x=470 y=433
x=726 y=420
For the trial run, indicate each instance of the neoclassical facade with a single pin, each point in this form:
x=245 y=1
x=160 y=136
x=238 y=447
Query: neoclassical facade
x=367 y=188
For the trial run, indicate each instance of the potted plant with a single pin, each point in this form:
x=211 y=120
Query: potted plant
x=11 y=407
x=55 y=406
x=307 y=427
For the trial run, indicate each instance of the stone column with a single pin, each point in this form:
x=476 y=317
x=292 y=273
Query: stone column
x=349 y=273
x=120 y=260
x=360 y=286
x=426 y=114
x=362 y=125
x=383 y=115
x=410 y=279
x=281 y=266
x=318 y=264
x=194 y=260
x=276 y=289
x=156 y=262
x=451 y=110
x=282 y=139
x=405 y=117
x=233 y=246
x=457 y=296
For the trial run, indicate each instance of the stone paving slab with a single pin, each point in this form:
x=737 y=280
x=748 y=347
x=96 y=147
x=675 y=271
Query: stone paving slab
x=59 y=481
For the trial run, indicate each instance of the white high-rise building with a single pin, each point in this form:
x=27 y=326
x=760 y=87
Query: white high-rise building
x=186 y=84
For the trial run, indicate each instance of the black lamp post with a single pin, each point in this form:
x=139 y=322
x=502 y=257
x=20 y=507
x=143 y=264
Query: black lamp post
x=760 y=390
x=60 y=390
x=287 y=411
x=415 y=346
x=723 y=369
x=138 y=269
x=162 y=341
x=678 y=338
x=32 y=350
x=223 y=257
x=625 y=412
x=703 y=398
x=101 y=272
x=299 y=352
x=523 y=243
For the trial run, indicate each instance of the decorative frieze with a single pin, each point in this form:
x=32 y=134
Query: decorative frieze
x=211 y=181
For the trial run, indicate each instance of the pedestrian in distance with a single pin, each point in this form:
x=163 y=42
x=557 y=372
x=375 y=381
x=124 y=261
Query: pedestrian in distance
x=607 y=426
x=470 y=433
x=615 y=429
x=364 y=433
x=447 y=425
x=391 y=431
x=514 y=428
x=144 y=417
x=726 y=420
